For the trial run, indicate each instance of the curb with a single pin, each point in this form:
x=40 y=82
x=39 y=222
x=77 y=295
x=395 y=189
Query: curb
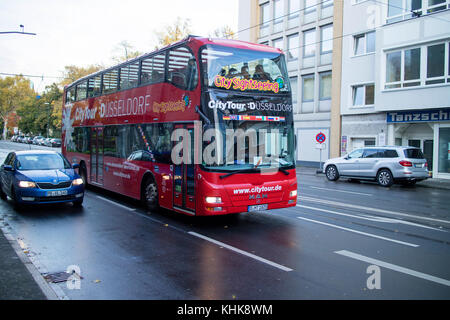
x=32 y=266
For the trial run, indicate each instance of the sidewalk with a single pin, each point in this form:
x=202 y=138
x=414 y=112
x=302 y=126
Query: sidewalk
x=429 y=183
x=16 y=281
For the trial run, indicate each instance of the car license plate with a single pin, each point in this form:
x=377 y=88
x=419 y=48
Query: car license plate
x=418 y=165
x=57 y=193
x=258 y=207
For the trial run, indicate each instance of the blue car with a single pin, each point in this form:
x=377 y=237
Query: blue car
x=32 y=177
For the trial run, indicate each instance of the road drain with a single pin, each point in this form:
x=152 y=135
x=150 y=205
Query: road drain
x=58 y=277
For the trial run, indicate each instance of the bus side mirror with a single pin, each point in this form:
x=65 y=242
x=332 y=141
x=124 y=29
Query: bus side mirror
x=75 y=166
x=8 y=168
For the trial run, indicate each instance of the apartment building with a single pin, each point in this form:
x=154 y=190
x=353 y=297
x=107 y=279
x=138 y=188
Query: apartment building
x=395 y=83
x=303 y=29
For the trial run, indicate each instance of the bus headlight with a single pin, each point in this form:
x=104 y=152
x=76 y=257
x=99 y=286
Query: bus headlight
x=213 y=200
x=27 y=184
x=77 y=182
x=293 y=193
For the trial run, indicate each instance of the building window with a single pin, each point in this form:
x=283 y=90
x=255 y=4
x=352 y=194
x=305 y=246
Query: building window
x=325 y=85
x=327 y=3
x=278 y=13
x=403 y=68
x=326 y=39
x=294 y=9
x=309 y=43
x=310 y=6
x=293 y=46
x=363 y=95
x=399 y=10
x=364 y=43
x=265 y=18
x=435 y=64
x=444 y=150
x=294 y=89
x=308 y=88
x=278 y=43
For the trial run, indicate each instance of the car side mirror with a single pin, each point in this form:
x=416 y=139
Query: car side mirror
x=8 y=168
x=75 y=166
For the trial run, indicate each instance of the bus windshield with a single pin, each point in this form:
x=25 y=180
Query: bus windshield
x=250 y=145
x=244 y=70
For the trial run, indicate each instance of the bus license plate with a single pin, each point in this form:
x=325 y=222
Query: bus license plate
x=57 y=193
x=258 y=207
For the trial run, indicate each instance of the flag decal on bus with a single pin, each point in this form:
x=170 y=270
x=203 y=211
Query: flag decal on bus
x=253 y=118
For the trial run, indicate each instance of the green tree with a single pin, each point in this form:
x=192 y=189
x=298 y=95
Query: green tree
x=73 y=73
x=224 y=32
x=180 y=29
x=126 y=52
x=14 y=93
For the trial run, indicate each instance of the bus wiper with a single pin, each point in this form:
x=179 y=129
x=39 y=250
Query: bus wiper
x=237 y=171
x=283 y=170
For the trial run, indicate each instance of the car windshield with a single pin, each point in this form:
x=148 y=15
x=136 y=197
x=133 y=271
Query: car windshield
x=41 y=162
x=244 y=70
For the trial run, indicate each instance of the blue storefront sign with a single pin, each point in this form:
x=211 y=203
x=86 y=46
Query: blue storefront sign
x=419 y=115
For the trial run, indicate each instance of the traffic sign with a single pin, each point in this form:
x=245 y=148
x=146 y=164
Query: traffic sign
x=320 y=137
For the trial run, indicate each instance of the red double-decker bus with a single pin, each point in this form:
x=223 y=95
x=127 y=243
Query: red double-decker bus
x=201 y=127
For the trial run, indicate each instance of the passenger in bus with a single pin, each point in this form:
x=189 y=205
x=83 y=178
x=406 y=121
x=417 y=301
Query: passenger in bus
x=260 y=74
x=232 y=73
x=244 y=72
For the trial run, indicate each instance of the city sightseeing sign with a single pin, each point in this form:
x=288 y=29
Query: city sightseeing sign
x=246 y=84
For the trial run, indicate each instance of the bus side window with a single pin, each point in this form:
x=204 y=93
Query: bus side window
x=129 y=76
x=81 y=90
x=153 y=69
x=94 y=86
x=110 y=80
x=70 y=95
x=182 y=69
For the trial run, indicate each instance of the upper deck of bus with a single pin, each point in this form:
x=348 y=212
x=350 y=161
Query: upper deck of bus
x=195 y=43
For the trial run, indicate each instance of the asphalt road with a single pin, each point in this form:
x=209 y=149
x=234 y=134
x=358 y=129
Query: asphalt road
x=342 y=241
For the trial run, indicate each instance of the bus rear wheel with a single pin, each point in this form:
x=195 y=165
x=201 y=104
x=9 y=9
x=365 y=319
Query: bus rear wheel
x=150 y=194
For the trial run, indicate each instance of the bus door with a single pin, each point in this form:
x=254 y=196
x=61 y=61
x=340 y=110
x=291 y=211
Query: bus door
x=97 y=155
x=184 y=177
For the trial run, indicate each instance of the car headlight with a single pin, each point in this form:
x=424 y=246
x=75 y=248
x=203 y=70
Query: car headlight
x=27 y=184
x=213 y=200
x=293 y=193
x=77 y=182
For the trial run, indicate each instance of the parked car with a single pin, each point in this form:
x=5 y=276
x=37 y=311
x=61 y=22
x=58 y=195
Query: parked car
x=43 y=142
x=386 y=165
x=37 y=176
x=55 y=142
x=36 y=139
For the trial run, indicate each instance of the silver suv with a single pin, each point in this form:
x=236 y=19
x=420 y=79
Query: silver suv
x=385 y=165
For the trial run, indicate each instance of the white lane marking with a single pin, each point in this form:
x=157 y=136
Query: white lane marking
x=393 y=267
x=117 y=204
x=250 y=255
x=371 y=218
x=344 y=191
x=360 y=232
x=245 y=253
x=353 y=206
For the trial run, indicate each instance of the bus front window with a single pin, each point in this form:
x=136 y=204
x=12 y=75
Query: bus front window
x=241 y=64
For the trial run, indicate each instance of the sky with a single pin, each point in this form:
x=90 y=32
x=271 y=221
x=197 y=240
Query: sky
x=87 y=32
